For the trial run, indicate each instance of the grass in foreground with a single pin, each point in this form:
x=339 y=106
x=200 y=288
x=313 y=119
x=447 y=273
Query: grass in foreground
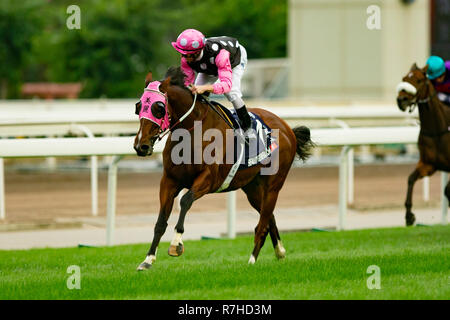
x=414 y=264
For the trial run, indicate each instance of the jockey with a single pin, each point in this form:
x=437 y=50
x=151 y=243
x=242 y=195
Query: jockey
x=439 y=74
x=220 y=63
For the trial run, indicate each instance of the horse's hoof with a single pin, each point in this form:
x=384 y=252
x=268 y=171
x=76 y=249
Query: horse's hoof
x=176 y=251
x=144 y=266
x=280 y=254
x=280 y=251
x=410 y=219
x=252 y=260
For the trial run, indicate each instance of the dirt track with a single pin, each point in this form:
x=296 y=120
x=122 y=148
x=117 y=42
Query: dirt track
x=42 y=197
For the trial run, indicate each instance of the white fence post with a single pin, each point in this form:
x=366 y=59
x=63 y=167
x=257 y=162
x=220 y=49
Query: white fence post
x=111 y=200
x=2 y=190
x=94 y=169
x=94 y=185
x=444 y=201
x=350 y=163
x=426 y=189
x=343 y=186
x=351 y=176
x=231 y=208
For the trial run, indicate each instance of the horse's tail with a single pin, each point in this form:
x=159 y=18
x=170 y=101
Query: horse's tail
x=304 y=142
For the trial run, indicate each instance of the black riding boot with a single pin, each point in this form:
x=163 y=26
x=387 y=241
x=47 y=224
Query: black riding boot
x=244 y=117
x=246 y=122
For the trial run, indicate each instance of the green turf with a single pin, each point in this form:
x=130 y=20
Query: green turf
x=414 y=264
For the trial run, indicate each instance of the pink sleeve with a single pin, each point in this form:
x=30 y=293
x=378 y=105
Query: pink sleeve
x=190 y=75
x=225 y=74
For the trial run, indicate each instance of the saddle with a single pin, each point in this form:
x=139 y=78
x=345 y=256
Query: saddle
x=255 y=152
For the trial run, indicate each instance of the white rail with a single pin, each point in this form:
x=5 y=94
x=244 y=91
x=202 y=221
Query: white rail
x=121 y=146
x=112 y=117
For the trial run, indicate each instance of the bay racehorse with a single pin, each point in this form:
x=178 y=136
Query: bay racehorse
x=434 y=136
x=175 y=104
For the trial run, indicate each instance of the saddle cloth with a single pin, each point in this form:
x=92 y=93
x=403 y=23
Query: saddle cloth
x=255 y=150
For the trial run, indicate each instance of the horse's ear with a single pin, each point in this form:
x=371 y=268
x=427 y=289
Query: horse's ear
x=165 y=85
x=424 y=69
x=148 y=79
x=414 y=67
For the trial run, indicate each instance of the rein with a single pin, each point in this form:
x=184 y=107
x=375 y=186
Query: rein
x=162 y=134
x=224 y=116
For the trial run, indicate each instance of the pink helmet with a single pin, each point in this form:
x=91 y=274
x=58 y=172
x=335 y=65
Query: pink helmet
x=189 y=41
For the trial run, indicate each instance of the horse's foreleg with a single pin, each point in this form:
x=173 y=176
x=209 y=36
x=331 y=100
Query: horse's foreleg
x=167 y=193
x=421 y=171
x=200 y=187
x=176 y=248
x=413 y=177
x=263 y=226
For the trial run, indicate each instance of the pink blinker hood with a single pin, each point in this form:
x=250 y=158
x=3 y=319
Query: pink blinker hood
x=149 y=97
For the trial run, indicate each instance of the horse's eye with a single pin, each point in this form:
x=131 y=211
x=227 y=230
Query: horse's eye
x=158 y=109
x=138 y=107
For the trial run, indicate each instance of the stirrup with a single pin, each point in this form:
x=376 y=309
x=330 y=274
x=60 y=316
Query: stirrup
x=250 y=134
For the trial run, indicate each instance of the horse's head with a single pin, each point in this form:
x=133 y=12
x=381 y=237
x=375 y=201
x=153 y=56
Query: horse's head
x=153 y=116
x=412 y=88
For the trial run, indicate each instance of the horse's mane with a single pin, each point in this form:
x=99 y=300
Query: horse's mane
x=176 y=76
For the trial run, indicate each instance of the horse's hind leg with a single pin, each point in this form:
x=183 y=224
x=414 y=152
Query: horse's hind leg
x=167 y=193
x=263 y=226
x=280 y=251
x=255 y=196
x=421 y=171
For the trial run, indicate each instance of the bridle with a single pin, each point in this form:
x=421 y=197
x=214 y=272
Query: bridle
x=411 y=89
x=161 y=134
x=408 y=87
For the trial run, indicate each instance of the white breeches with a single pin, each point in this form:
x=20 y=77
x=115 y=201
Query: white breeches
x=235 y=94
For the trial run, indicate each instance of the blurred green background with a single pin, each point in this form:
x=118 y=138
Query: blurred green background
x=120 y=41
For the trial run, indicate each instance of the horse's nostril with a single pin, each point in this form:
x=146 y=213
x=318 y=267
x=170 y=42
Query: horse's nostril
x=145 y=147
